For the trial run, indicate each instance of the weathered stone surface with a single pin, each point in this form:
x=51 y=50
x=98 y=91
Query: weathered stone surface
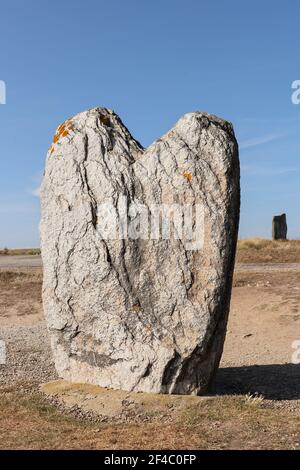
x=138 y=314
x=279 y=227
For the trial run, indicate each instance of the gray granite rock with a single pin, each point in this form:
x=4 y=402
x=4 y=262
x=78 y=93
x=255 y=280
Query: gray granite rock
x=136 y=298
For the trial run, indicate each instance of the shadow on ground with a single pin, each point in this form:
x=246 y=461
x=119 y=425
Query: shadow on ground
x=274 y=381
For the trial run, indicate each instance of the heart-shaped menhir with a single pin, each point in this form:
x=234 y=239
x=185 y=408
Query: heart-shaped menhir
x=138 y=250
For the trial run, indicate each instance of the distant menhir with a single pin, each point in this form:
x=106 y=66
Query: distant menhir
x=279 y=227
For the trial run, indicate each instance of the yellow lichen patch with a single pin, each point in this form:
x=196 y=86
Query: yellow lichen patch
x=136 y=308
x=70 y=125
x=187 y=175
x=51 y=150
x=105 y=120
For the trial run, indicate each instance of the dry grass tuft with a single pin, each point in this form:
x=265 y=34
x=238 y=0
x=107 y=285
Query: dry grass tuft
x=20 y=251
x=256 y=243
x=225 y=422
x=262 y=250
x=11 y=276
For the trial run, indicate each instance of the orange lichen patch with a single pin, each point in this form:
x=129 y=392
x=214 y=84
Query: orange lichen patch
x=62 y=131
x=61 y=128
x=51 y=150
x=65 y=127
x=187 y=175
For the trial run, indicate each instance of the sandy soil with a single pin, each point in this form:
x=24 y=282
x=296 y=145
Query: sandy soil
x=264 y=322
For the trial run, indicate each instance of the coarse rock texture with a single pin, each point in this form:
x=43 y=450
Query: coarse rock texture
x=136 y=313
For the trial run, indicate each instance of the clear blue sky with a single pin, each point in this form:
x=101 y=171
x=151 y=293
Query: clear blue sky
x=151 y=61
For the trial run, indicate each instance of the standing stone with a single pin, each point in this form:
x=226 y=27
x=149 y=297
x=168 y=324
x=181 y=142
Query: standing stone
x=279 y=227
x=145 y=310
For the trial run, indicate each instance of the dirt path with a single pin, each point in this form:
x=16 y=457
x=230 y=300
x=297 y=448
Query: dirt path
x=35 y=261
x=263 y=325
x=266 y=267
x=20 y=261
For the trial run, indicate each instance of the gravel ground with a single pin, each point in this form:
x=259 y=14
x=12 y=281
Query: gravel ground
x=264 y=321
x=28 y=355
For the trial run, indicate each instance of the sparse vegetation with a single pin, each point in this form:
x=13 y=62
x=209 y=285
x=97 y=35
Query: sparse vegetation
x=18 y=276
x=229 y=422
x=250 y=250
x=262 y=250
x=20 y=251
x=261 y=413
